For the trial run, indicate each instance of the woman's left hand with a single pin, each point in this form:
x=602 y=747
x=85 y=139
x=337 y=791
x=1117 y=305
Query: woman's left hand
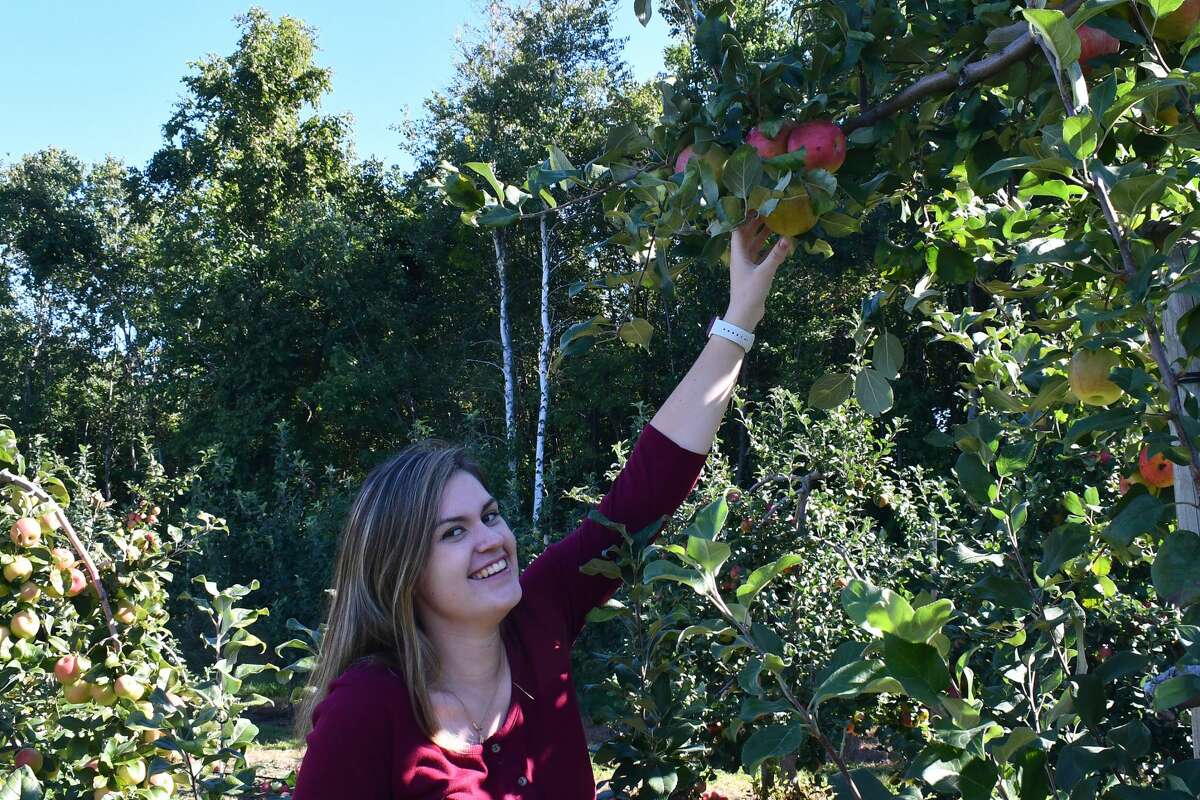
x=750 y=278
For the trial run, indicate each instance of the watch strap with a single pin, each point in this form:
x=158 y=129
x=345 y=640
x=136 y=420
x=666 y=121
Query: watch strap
x=727 y=330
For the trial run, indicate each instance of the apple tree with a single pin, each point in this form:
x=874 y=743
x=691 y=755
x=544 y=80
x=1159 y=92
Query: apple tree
x=1034 y=172
x=95 y=698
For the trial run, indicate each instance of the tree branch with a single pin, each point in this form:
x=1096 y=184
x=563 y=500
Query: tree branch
x=93 y=574
x=946 y=80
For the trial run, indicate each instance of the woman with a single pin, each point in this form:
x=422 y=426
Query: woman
x=446 y=673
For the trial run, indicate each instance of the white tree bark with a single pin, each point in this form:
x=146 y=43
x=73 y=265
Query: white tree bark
x=1187 y=511
x=539 y=484
x=510 y=397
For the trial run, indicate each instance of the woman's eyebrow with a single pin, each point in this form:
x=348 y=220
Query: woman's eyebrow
x=489 y=502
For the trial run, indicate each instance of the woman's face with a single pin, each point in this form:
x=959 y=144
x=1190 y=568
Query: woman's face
x=470 y=537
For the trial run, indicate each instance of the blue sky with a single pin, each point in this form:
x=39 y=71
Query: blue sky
x=97 y=78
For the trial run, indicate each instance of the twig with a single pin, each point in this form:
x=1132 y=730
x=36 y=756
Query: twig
x=93 y=573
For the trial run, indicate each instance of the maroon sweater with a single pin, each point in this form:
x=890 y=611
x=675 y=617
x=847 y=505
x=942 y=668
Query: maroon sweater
x=365 y=743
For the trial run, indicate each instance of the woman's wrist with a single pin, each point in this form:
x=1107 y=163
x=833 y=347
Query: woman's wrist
x=744 y=318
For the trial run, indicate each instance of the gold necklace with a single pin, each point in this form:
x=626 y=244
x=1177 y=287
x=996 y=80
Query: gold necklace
x=475 y=725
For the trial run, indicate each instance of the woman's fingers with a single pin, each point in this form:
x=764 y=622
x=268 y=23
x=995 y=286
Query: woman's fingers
x=778 y=253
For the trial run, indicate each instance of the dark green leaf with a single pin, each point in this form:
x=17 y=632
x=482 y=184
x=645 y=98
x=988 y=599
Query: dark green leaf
x=873 y=392
x=918 y=667
x=830 y=391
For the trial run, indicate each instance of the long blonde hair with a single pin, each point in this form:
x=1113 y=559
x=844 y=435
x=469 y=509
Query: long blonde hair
x=385 y=544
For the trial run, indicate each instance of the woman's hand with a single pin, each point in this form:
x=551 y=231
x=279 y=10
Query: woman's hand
x=750 y=278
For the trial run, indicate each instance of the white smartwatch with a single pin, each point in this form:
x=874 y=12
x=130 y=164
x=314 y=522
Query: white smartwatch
x=719 y=327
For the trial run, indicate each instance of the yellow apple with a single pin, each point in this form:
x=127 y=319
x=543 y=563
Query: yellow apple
x=1088 y=376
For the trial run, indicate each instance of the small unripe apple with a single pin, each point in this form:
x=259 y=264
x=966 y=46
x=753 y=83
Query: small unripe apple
x=25 y=532
x=25 y=624
x=1088 y=377
x=78 y=582
x=125 y=613
x=69 y=668
x=50 y=521
x=19 y=569
x=29 y=592
x=78 y=692
x=1157 y=471
x=155 y=511
x=152 y=519
x=129 y=688
x=131 y=773
x=823 y=142
x=151 y=735
x=62 y=558
x=29 y=757
x=103 y=694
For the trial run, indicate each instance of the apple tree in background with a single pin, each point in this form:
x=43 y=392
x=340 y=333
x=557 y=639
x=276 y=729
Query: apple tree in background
x=95 y=698
x=1035 y=173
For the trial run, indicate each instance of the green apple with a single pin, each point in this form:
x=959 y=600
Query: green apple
x=1088 y=377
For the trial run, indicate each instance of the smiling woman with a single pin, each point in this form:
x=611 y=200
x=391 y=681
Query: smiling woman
x=445 y=671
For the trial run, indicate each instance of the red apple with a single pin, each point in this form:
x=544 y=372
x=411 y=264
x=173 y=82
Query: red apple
x=823 y=142
x=69 y=668
x=25 y=624
x=19 y=569
x=768 y=147
x=27 y=756
x=25 y=532
x=1094 y=43
x=1158 y=471
x=78 y=582
x=62 y=558
x=1179 y=24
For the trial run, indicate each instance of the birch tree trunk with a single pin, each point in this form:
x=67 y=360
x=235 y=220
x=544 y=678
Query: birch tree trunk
x=539 y=486
x=510 y=398
x=1187 y=512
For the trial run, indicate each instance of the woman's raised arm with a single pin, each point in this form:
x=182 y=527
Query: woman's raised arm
x=691 y=415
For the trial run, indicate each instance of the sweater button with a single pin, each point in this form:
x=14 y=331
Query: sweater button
x=495 y=748
x=521 y=781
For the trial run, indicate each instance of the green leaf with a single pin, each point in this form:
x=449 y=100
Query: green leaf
x=489 y=175
x=1081 y=134
x=888 y=356
x=1015 y=741
x=1114 y=419
x=1056 y=30
x=761 y=577
x=974 y=477
x=851 y=680
x=498 y=217
x=710 y=555
x=660 y=778
x=876 y=610
x=873 y=392
x=1061 y=546
x=773 y=741
x=830 y=391
x=977 y=780
x=644 y=9
x=663 y=570
x=636 y=331
x=21 y=784
x=919 y=668
x=925 y=621
x=1133 y=195
x=869 y=786
x=743 y=171
x=1058 y=166
x=1176 y=569
x=710 y=520
x=1138 y=515
x=1161 y=8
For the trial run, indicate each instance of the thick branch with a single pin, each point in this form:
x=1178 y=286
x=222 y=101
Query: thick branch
x=947 y=81
x=93 y=574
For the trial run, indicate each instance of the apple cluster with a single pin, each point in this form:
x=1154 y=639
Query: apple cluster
x=823 y=147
